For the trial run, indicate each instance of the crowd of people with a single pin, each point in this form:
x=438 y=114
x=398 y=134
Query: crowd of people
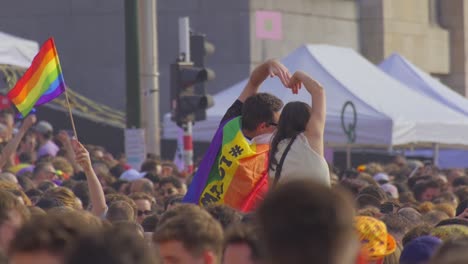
x=63 y=202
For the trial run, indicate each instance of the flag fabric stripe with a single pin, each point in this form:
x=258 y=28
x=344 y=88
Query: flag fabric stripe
x=41 y=83
x=37 y=61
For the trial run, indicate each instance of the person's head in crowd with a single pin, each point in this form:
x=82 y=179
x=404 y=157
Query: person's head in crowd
x=103 y=173
x=117 y=170
x=434 y=217
x=376 y=242
x=370 y=211
x=459 y=182
x=366 y=200
x=44 y=186
x=150 y=223
x=110 y=245
x=44 y=133
x=25 y=182
x=391 y=190
x=225 y=215
x=447 y=197
x=109 y=190
x=82 y=192
x=411 y=214
x=12 y=216
x=317 y=227
x=168 y=168
x=420 y=250
x=131 y=226
x=121 y=186
x=66 y=196
x=390 y=207
x=142 y=185
x=462 y=193
x=4 y=134
x=144 y=204
x=375 y=191
x=7 y=118
x=393 y=258
x=446 y=208
x=169 y=186
x=242 y=245
x=397 y=226
x=47 y=203
x=8 y=176
x=131 y=175
x=426 y=191
x=28 y=146
x=44 y=171
x=16 y=191
x=63 y=165
x=381 y=178
x=120 y=211
x=259 y=112
x=354 y=186
x=110 y=198
x=189 y=234
x=151 y=166
x=173 y=201
x=34 y=195
x=407 y=198
x=447 y=232
x=367 y=178
x=451 y=252
x=415 y=232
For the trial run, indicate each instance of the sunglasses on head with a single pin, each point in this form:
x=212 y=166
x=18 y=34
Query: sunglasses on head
x=273 y=124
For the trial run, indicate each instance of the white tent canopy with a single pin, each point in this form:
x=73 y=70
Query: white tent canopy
x=388 y=113
x=17 y=51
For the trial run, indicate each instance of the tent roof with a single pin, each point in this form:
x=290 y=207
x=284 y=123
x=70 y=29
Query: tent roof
x=17 y=51
x=388 y=113
x=403 y=70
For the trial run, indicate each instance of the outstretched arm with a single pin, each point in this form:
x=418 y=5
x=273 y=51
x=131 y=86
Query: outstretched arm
x=269 y=68
x=96 y=193
x=11 y=147
x=316 y=125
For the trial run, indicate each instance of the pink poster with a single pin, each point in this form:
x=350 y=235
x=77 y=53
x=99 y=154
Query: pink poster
x=268 y=25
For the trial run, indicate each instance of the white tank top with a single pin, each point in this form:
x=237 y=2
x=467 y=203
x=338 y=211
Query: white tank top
x=301 y=162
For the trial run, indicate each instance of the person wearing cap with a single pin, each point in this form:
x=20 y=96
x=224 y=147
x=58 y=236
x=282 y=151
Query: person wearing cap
x=44 y=132
x=376 y=242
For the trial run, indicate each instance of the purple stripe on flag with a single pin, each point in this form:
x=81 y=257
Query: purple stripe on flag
x=200 y=179
x=52 y=95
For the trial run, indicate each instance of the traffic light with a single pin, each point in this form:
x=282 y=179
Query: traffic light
x=200 y=49
x=186 y=100
x=188 y=92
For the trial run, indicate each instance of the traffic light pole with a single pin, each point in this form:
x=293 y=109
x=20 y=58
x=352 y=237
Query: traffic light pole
x=184 y=50
x=149 y=75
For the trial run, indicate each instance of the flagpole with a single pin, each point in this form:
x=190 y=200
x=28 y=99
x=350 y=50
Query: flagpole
x=71 y=115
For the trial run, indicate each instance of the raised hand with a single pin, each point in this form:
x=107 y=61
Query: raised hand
x=295 y=83
x=275 y=68
x=29 y=121
x=63 y=137
x=82 y=155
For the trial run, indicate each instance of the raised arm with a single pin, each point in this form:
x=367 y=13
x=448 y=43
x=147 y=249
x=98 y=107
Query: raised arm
x=11 y=147
x=96 y=192
x=269 y=68
x=316 y=126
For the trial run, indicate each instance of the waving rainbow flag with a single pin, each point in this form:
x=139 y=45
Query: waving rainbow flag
x=41 y=83
x=233 y=171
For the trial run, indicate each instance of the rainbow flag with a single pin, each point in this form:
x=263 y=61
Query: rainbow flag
x=41 y=83
x=233 y=172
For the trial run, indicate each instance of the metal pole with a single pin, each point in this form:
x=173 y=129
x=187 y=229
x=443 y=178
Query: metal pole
x=149 y=74
x=348 y=156
x=184 y=50
x=436 y=155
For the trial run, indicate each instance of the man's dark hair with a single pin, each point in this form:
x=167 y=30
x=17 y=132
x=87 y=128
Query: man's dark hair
x=152 y=177
x=318 y=227
x=149 y=165
x=375 y=191
x=241 y=233
x=420 y=188
x=117 y=170
x=25 y=158
x=366 y=200
x=150 y=223
x=47 y=203
x=397 y=225
x=460 y=181
x=258 y=109
x=225 y=215
x=171 y=179
x=175 y=199
x=110 y=246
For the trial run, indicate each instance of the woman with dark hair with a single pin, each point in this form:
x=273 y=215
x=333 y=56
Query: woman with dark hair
x=296 y=150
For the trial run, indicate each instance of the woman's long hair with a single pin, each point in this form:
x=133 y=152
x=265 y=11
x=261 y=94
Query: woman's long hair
x=292 y=122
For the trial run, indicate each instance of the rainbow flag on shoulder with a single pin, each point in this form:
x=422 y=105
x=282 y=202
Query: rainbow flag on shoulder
x=41 y=83
x=233 y=172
